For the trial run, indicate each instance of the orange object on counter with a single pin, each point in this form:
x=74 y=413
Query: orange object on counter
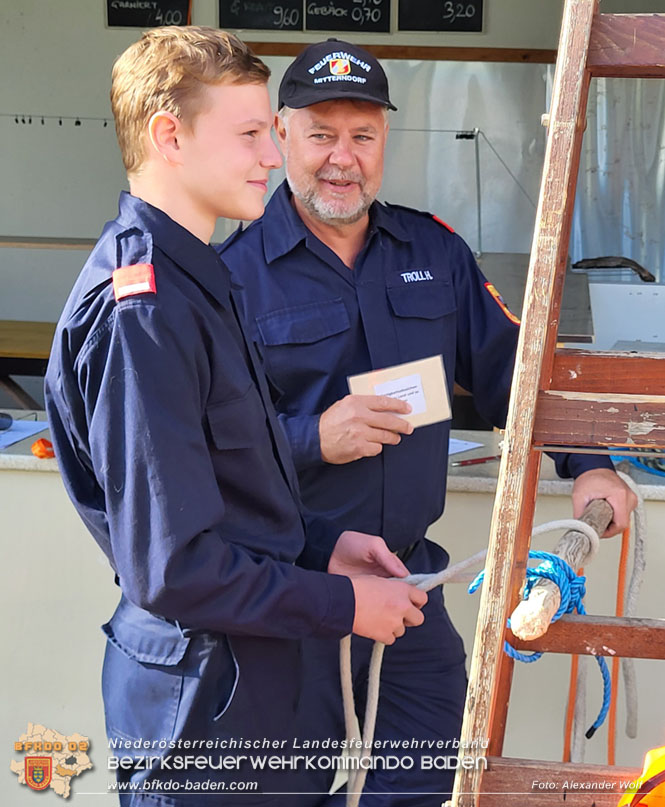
x=43 y=449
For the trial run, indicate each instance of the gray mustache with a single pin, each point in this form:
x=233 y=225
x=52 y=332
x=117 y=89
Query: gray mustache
x=339 y=177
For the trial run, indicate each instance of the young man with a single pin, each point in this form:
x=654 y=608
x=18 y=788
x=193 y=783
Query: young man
x=171 y=451
x=347 y=285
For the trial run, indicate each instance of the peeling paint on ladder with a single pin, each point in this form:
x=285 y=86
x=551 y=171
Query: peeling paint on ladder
x=642 y=428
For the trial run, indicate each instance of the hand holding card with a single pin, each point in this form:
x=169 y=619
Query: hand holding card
x=421 y=383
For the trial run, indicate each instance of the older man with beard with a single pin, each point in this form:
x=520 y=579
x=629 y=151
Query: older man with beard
x=335 y=284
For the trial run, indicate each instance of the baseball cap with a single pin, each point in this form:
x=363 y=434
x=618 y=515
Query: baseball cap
x=330 y=70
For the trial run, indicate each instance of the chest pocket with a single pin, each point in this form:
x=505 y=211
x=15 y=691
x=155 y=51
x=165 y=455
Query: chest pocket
x=303 y=324
x=426 y=300
x=425 y=321
x=238 y=423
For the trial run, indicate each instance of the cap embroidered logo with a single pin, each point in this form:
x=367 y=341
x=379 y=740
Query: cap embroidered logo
x=339 y=67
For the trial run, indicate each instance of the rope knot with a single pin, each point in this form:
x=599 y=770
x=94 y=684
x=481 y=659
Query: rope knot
x=573 y=589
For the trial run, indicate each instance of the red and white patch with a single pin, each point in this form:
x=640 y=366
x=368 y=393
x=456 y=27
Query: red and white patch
x=499 y=301
x=443 y=223
x=136 y=279
x=339 y=67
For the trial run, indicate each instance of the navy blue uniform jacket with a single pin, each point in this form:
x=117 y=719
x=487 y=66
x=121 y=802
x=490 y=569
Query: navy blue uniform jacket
x=415 y=291
x=171 y=451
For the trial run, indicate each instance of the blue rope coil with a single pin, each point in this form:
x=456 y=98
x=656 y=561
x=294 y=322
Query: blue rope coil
x=572 y=590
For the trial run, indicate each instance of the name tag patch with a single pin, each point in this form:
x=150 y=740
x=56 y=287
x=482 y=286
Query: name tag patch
x=414 y=277
x=136 y=279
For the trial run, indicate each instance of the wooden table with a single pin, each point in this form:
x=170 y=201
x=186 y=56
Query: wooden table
x=24 y=350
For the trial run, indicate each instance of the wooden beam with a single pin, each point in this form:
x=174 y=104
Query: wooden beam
x=422 y=52
x=537 y=334
x=34 y=242
x=625 y=637
x=594 y=371
x=25 y=340
x=627 y=45
x=599 y=419
x=509 y=782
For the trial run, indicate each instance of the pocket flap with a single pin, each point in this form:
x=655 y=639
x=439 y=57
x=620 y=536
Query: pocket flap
x=144 y=637
x=303 y=323
x=231 y=422
x=428 y=300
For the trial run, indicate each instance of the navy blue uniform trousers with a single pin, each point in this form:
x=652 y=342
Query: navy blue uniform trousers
x=421 y=701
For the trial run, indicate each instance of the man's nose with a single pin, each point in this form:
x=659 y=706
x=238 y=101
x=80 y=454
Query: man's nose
x=342 y=155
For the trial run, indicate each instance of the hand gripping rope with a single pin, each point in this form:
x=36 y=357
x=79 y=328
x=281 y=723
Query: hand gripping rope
x=552 y=568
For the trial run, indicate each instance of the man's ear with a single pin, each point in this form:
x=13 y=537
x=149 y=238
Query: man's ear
x=280 y=131
x=163 y=130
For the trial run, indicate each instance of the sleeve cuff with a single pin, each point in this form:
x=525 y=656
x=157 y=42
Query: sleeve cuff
x=303 y=434
x=573 y=465
x=321 y=535
x=338 y=619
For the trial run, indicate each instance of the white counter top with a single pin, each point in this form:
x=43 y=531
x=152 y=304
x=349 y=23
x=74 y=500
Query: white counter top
x=472 y=479
x=18 y=457
x=483 y=478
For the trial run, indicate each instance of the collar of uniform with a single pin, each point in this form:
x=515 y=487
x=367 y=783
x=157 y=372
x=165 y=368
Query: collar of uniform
x=199 y=260
x=283 y=228
x=383 y=218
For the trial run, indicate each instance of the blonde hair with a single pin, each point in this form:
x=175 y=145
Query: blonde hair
x=168 y=68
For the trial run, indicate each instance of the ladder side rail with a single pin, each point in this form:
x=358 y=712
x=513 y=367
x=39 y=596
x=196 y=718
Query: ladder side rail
x=501 y=695
x=548 y=252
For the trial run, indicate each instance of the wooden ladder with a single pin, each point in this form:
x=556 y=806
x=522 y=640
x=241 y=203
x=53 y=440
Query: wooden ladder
x=563 y=398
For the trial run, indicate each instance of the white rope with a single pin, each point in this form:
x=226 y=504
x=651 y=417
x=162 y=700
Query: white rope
x=360 y=748
x=630 y=609
x=572 y=524
x=630 y=601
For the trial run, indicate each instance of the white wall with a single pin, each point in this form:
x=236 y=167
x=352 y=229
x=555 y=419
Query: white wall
x=63 y=181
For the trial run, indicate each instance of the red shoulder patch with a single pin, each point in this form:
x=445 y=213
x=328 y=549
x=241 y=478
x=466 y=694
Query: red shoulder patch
x=498 y=299
x=443 y=223
x=136 y=279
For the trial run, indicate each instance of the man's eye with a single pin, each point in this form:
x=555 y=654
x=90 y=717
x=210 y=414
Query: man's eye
x=251 y=133
x=319 y=136
x=363 y=138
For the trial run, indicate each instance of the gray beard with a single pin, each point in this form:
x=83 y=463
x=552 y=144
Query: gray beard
x=326 y=211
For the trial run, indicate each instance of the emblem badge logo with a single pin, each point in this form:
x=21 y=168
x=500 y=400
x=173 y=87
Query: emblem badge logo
x=38 y=772
x=339 y=67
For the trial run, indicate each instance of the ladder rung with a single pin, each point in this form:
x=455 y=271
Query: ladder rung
x=626 y=637
x=505 y=780
x=614 y=372
x=630 y=45
x=599 y=419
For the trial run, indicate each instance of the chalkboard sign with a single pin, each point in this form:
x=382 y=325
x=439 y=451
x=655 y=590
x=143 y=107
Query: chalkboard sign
x=348 y=15
x=147 y=13
x=282 y=15
x=440 y=15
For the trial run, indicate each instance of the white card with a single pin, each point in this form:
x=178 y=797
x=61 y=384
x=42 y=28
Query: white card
x=407 y=388
x=422 y=383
